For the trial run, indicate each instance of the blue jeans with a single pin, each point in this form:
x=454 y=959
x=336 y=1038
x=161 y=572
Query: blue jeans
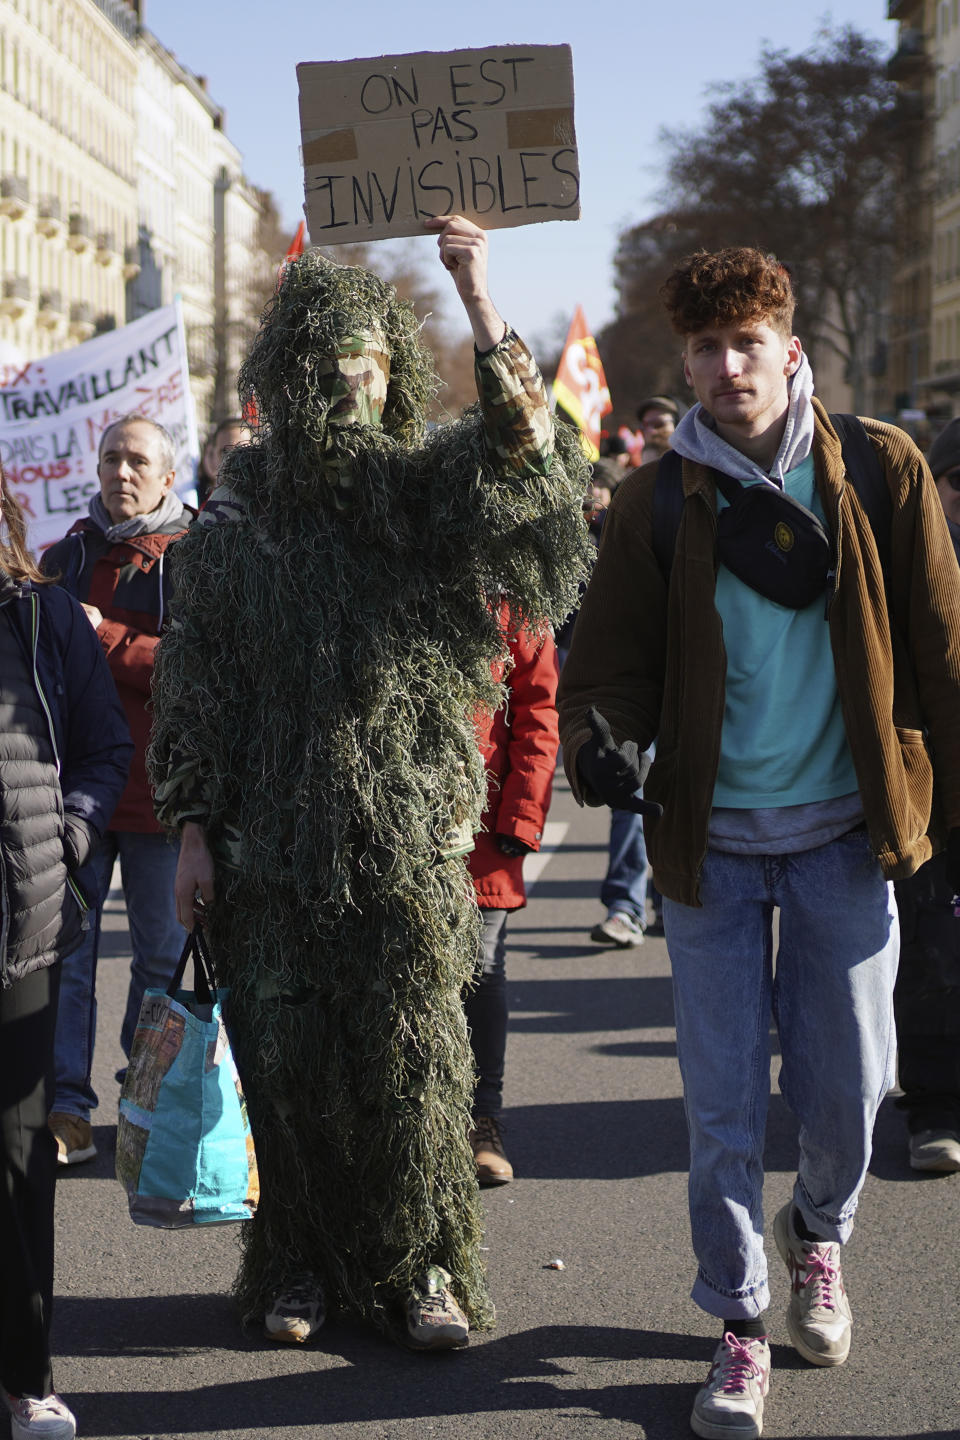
x=625 y=883
x=148 y=864
x=832 y=998
x=487 y=1015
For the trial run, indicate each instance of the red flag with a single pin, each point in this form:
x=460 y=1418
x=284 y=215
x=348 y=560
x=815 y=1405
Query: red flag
x=580 y=386
x=295 y=250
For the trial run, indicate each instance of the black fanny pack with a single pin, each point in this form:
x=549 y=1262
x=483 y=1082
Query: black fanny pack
x=772 y=543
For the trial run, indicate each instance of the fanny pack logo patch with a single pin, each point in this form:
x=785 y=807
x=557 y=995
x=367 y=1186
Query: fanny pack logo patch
x=783 y=536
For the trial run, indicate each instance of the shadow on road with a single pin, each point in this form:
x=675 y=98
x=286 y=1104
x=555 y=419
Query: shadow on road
x=575 y=1007
x=619 y=1139
x=583 y=1006
x=543 y=1369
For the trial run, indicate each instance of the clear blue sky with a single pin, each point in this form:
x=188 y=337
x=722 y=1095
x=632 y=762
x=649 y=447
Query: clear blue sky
x=637 y=66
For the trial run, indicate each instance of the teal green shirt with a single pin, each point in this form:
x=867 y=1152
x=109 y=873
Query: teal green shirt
x=783 y=739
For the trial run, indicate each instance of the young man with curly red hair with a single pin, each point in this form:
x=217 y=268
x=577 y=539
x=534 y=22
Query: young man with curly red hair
x=807 y=754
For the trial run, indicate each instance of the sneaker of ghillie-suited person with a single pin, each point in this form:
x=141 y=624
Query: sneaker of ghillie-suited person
x=297 y=1310
x=434 y=1320
x=74 y=1138
x=490 y=1158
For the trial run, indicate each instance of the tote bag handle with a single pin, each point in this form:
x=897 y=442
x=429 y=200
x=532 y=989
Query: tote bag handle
x=203 y=983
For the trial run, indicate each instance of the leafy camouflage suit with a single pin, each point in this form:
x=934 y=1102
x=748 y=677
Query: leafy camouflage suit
x=314 y=698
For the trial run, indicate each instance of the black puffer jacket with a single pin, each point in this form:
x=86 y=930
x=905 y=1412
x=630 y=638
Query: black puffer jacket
x=64 y=755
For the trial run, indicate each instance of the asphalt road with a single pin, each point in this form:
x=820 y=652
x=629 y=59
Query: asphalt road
x=147 y=1341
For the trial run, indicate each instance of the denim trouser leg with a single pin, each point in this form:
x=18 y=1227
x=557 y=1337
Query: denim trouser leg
x=832 y=998
x=77 y=1014
x=148 y=865
x=486 y=1009
x=625 y=883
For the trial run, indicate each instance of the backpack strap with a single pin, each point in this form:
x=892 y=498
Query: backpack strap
x=866 y=474
x=864 y=471
x=667 y=509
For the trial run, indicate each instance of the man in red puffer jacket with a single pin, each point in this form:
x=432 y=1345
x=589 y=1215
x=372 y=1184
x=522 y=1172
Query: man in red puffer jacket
x=519 y=746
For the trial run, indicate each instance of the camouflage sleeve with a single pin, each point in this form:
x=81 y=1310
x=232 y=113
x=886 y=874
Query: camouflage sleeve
x=221 y=505
x=179 y=797
x=517 y=420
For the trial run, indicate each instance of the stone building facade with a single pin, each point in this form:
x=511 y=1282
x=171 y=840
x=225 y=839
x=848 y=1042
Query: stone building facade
x=119 y=189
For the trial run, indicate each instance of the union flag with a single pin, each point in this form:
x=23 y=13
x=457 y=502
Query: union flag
x=580 y=386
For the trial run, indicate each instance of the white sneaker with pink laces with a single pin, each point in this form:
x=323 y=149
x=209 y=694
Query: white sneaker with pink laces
x=818 y=1316
x=731 y=1402
x=47 y=1419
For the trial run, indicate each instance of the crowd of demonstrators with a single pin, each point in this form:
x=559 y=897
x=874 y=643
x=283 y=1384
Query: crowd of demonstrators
x=786 y=778
x=519 y=747
x=927 y=994
x=64 y=752
x=779 y=780
x=114 y=563
x=312 y=702
x=225 y=436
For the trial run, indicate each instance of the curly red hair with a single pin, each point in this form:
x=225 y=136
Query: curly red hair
x=725 y=287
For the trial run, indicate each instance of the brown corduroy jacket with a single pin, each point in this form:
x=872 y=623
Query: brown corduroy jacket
x=654 y=662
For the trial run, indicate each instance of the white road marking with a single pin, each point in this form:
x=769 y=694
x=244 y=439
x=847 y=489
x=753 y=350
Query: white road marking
x=534 y=865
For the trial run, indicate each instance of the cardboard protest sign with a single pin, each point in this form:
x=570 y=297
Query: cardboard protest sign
x=53 y=412
x=390 y=142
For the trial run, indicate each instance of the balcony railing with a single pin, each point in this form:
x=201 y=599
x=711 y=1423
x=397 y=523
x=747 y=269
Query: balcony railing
x=81 y=320
x=131 y=262
x=51 y=309
x=79 y=236
x=106 y=247
x=16 y=296
x=14 y=196
x=50 y=216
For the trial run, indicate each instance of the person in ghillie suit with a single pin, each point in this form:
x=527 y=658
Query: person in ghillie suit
x=337 y=614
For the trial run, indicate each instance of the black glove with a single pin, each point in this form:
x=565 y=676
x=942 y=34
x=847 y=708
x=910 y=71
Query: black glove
x=612 y=774
x=953 y=860
x=509 y=845
x=79 y=841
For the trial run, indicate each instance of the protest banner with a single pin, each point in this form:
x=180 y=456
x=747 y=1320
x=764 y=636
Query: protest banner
x=390 y=142
x=580 y=387
x=53 y=412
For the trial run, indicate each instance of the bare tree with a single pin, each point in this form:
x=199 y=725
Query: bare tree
x=798 y=162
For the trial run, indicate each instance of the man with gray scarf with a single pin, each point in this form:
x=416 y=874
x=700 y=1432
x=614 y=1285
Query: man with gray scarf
x=113 y=562
x=794 y=770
